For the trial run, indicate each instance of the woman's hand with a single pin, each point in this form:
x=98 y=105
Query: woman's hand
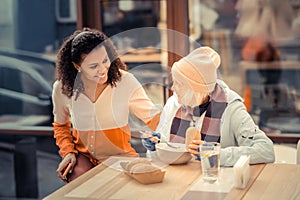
x=193 y=148
x=66 y=166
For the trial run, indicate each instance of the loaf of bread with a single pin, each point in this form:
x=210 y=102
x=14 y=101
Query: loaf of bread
x=143 y=168
x=129 y=165
x=139 y=165
x=143 y=171
x=192 y=133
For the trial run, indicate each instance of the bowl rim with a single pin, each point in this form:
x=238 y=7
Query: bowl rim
x=173 y=157
x=170 y=149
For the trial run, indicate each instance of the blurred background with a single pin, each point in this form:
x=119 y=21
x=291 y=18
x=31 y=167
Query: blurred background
x=258 y=40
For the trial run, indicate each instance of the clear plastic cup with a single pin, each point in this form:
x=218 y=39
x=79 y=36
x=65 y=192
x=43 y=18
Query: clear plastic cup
x=210 y=161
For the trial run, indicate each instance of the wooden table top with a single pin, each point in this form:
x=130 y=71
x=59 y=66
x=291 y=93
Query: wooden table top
x=104 y=182
x=267 y=181
x=276 y=181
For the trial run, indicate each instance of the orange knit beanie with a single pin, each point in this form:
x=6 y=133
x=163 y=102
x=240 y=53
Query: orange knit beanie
x=199 y=69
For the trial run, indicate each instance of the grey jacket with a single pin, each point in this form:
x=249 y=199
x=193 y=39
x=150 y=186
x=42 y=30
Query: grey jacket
x=239 y=133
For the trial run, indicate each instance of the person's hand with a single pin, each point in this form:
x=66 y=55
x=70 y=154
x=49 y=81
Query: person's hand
x=193 y=148
x=150 y=139
x=66 y=166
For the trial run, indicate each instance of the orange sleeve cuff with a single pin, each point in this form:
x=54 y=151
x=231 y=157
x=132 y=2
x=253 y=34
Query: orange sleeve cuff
x=64 y=138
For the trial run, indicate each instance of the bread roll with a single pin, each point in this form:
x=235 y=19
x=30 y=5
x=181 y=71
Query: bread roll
x=143 y=168
x=192 y=133
x=129 y=165
x=143 y=171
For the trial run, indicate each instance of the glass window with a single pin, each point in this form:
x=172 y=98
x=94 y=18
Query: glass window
x=258 y=42
x=22 y=89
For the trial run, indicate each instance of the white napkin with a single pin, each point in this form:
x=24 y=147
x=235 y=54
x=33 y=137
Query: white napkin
x=241 y=171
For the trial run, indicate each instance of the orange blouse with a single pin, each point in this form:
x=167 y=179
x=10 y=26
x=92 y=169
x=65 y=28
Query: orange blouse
x=101 y=129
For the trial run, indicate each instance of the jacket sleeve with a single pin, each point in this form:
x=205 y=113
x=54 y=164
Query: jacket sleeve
x=142 y=107
x=62 y=124
x=64 y=139
x=250 y=140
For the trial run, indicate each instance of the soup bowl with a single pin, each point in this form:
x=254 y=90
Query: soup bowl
x=173 y=153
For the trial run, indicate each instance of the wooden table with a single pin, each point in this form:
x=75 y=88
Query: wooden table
x=217 y=193
x=104 y=182
x=267 y=181
x=276 y=181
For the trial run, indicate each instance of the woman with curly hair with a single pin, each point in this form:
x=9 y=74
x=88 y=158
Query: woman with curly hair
x=94 y=95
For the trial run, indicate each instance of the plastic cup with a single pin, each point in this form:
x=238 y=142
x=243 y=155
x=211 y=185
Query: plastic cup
x=210 y=161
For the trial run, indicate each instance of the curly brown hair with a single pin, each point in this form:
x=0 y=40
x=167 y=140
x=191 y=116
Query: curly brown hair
x=74 y=48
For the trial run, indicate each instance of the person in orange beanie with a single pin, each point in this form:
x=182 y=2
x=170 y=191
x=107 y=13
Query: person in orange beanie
x=202 y=100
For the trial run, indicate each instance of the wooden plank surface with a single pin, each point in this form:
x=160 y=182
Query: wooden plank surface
x=276 y=181
x=235 y=193
x=284 y=137
x=267 y=181
x=107 y=183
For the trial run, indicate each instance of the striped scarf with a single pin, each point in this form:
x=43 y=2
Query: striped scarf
x=210 y=130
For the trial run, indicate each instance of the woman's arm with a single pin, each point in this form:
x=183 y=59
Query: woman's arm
x=62 y=124
x=64 y=139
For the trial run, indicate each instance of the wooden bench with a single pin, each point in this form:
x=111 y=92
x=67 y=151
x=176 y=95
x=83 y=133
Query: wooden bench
x=284 y=137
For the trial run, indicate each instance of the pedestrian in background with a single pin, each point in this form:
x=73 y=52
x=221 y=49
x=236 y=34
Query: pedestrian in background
x=203 y=101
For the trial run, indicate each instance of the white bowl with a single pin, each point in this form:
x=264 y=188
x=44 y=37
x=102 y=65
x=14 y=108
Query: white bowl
x=171 y=155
